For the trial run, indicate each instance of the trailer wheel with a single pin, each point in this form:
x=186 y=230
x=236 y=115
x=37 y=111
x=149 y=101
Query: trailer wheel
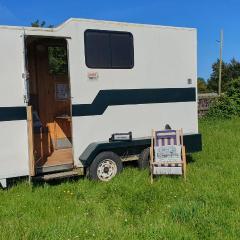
x=105 y=166
x=144 y=159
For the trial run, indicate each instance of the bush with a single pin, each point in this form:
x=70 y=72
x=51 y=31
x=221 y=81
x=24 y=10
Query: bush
x=222 y=107
x=227 y=105
x=234 y=89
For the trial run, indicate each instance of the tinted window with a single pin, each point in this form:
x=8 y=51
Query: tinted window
x=108 y=49
x=122 y=50
x=97 y=50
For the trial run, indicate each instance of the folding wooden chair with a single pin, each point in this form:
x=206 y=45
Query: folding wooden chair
x=167 y=153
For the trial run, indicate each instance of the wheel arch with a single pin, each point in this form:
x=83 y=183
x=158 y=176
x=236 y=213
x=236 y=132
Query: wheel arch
x=193 y=143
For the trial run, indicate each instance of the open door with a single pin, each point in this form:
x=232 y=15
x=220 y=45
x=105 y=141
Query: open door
x=30 y=141
x=50 y=101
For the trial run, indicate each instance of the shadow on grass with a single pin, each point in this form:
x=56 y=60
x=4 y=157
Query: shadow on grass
x=190 y=159
x=12 y=182
x=36 y=183
x=130 y=164
x=54 y=182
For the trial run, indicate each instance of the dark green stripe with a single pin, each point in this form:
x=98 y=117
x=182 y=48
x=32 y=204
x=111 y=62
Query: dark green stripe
x=116 y=97
x=13 y=113
x=107 y=98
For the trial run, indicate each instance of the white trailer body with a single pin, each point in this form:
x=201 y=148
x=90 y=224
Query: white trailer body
x=158 y=86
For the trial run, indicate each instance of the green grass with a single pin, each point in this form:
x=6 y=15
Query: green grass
x=206 y=206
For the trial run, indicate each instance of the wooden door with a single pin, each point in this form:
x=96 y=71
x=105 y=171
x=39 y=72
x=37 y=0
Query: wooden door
x=53 y=96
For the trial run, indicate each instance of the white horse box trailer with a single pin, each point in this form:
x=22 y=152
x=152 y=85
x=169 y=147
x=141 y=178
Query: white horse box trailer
x=66 y=90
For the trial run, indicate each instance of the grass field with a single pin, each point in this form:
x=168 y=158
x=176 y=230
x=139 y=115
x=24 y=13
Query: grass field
x=206 y=206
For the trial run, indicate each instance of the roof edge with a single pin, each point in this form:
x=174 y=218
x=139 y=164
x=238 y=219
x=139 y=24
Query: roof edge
x=62 y=25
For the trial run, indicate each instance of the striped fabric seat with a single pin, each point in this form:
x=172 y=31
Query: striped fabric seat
x=167 y=138
x=173 y=162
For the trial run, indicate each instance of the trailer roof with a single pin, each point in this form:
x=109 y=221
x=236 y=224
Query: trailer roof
x=90 y=21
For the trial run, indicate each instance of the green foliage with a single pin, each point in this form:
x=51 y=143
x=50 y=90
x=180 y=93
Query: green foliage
x=202 y=85
x=234 y=69
x=57 y=57
x=234 y=89
x=213 y=81
x=230 y=71
x=41 y=24
x=228 y=105
x=206 y=206
x=223 y=107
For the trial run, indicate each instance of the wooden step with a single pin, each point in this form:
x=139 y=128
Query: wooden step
x=52 y=176
x=54 y=168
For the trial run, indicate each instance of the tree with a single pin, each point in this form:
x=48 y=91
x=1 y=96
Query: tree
x=234 y=69
x=41 y=24
x=230 y=71
x=202 y=85
x=214 y=78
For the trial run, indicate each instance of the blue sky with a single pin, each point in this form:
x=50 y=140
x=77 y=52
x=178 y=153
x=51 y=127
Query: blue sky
x=207 y=16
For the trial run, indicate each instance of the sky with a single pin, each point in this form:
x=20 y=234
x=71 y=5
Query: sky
x=209 y=17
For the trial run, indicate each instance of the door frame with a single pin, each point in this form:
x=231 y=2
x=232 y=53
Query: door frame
x=32 y=161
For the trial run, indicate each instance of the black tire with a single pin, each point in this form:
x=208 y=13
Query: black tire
x=144 y=159
x=105 y=166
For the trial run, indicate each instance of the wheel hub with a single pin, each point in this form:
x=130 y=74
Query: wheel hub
x=106 y=170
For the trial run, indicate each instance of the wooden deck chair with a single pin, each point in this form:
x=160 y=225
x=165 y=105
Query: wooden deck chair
x=167 y=153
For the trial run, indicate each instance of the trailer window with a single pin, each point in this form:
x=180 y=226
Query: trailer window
x=97 y=49
x=109 y=49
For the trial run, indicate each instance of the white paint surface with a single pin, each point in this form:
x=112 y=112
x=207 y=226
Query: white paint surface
x=14 y=150
x=165 y=57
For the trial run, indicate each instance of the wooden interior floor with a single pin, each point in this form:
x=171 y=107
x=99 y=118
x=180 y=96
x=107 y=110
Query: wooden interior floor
x=58 y=157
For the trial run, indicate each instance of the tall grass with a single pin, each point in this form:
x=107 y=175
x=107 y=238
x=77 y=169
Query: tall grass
x=206 y=206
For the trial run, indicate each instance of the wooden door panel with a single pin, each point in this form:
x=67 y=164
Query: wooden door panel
x=49 y=107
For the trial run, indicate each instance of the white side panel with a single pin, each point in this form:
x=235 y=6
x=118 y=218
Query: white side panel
x=140 y=119
x=13 y=132
x=14 y=152
x=163 y=58
x=3 y=182
x=11 y=68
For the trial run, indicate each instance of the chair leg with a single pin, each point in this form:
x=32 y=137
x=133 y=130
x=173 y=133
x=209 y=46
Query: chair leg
x=185 y=170
x=151 y=155
x=184 y=163
x=151 y=172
